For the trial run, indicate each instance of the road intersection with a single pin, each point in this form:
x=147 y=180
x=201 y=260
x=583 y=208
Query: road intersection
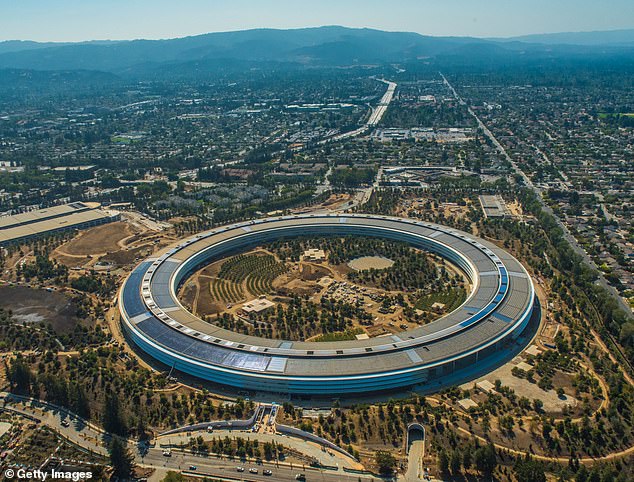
x=90 y=437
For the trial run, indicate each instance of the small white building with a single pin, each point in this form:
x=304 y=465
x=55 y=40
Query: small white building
x=257 y=306
x=314 y=255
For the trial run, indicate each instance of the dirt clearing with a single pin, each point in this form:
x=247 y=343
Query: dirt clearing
x=97 y=240
x=40 y=306
x=370 y=262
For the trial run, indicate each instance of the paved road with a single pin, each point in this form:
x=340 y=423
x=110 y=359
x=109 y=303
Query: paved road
x=373 y=120
x=92 y=437
x=384 y=103
x=375 y=117
x=227 y=468
x=415 y=461
x=325 y=185
x=79 y=432
x=329 y=458
x=415 y=454
x=539 y=194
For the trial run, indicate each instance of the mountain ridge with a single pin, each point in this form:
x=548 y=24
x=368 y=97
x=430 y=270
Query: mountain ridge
x=312 y=46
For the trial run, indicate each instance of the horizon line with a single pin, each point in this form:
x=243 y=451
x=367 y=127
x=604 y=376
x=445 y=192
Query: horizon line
x=154 y=39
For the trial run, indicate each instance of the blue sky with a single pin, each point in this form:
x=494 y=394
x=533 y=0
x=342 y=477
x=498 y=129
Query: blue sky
x=74 y=20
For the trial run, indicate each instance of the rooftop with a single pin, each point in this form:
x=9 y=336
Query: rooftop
x=40 y=221
x=257 y=306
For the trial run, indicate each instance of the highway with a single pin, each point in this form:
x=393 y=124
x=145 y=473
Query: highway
x=373 y=120
x=383 y=104
x=224 y=468
x=539 y=194
x=375 y=117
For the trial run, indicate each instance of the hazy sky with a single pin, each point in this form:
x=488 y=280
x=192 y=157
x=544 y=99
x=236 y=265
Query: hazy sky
x=73 y=20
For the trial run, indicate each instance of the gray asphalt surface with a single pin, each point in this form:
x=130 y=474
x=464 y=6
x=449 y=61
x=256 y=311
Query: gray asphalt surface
x=91 y=437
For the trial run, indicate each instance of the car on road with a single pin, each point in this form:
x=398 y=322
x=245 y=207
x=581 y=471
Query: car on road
x=300 y=477
x=192 y=467
x=253 y=470
x=167 y=453
x=240 y=469
x=267 y=472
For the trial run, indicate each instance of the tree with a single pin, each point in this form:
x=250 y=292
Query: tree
x=455 y=461
x=595 y=475
x=582 y=474
x=528 y=470
x=485 y=459
x=443 y=462
x=467 y=457
x=79 y=400
x=141 y=428
x=120 y=459
x=20 y=376
x=113 y=419
x=385 y=462
x=268 y=450
x=506 y=423
x=547 y=429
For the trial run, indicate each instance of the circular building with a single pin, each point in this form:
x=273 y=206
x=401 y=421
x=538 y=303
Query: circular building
x=496 y=311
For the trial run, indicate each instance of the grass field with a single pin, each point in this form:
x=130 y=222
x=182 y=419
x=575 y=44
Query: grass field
x=451 y=298
x=605 y=115
x=122 y=140
x=340 y=335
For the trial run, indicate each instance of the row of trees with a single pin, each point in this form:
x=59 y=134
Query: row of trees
x=593 y=299
x=483 y=458
x=352 y=177
x=298 y=320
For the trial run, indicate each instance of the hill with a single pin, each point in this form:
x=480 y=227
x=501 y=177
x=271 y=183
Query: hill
x=609 y=37
x=321 y=46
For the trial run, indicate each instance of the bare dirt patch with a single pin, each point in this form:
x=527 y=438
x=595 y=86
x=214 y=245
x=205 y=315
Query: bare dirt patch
x=40 y=306
x=188 y=294
x=197 y=295
x=297 y=287
x=100 y=239
x=125 y=257
x=515 y=208
x=311 y=272
x=523 y=388
x=370 y=262
x=71 y=261
x=206 y=303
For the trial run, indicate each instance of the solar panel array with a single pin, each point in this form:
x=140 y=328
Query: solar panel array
x=498 y=307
